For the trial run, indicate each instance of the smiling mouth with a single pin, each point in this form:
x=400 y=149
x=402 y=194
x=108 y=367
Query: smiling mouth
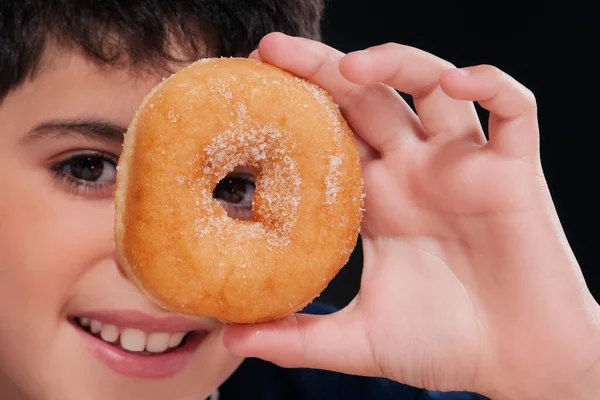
x=135 y=341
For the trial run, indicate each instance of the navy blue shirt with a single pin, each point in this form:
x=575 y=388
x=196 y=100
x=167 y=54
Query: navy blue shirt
x=258 y=379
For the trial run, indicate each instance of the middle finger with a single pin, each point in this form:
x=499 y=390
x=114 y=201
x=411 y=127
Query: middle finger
x=377 y=114
x=416 y=73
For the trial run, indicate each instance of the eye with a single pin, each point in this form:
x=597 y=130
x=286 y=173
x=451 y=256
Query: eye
x=235 y=193
x=89 y=168
x=88 y=172
x=236 y=189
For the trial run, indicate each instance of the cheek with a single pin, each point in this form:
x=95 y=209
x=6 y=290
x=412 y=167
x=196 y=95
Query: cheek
x=47 y=243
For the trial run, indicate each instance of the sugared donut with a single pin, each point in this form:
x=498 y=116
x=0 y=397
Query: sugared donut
x=176 y=241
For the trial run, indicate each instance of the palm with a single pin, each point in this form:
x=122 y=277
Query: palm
x=420 y=194
x=452 y=216
x=414 y=184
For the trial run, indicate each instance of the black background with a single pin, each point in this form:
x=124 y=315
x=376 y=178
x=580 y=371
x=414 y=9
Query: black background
x=551 y=50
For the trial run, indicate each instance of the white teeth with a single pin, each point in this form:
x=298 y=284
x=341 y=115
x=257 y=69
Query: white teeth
x=109 y=333
x=176 y=339
x=95 y=326
x=133 y=339
x=158 y=342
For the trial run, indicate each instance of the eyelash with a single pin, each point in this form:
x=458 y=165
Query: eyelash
x=81 y=187
x=85 y=188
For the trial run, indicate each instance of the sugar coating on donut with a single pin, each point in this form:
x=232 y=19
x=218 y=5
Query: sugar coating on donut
x=281 y=188
x=177 y=243
x=332 y=180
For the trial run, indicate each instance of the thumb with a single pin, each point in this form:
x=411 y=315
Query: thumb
x=335 y=342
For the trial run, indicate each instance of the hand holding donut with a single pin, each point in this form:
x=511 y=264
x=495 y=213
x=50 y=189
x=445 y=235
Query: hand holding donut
x=468 y=282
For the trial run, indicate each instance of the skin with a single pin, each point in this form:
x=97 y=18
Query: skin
x=469 y=282
x=57 y=251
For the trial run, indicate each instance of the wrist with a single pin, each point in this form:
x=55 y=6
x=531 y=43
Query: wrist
x=578 y=378
x=562 y=370
x=586 y=384
x=592 y=384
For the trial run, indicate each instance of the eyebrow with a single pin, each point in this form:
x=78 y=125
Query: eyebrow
x=93 y=129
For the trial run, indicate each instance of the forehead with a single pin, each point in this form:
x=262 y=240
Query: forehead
x=69 y=85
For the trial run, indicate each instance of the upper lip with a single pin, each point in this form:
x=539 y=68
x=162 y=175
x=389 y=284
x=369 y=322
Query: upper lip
x=149 y=323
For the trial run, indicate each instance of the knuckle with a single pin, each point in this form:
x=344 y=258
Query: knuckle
x=525 y=96
x=493 y=72
x=446 y=64
x=416 y=54
x=439 y=63
x=528 y=97
x=303 y=335
x=391 y=47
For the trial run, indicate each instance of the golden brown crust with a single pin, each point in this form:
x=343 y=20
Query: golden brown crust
x=177 y=244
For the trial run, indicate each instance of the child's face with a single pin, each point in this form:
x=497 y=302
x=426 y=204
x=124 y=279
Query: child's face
x=60 y=137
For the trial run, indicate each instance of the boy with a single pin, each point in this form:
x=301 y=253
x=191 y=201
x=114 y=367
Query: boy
x=468 y=282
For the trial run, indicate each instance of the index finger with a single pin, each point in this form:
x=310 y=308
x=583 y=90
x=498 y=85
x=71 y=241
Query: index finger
x=376 y=112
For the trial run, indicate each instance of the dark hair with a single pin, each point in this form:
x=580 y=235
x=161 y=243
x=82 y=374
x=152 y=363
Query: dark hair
x=141 y=33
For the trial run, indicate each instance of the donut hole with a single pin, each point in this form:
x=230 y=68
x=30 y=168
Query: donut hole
x=235 y=193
